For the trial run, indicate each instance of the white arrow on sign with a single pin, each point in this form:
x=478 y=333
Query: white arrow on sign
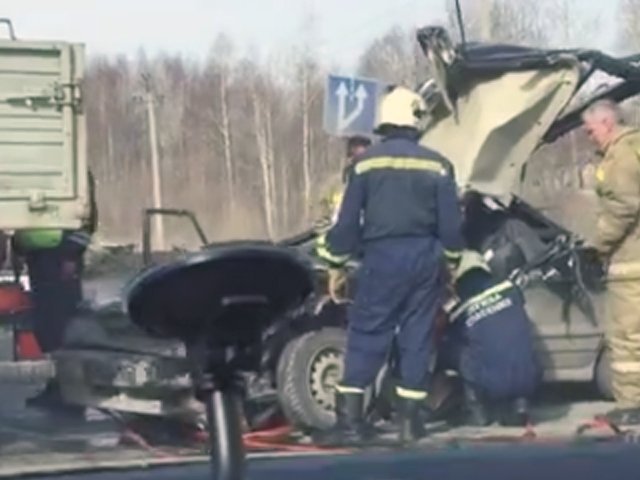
x=342 y=92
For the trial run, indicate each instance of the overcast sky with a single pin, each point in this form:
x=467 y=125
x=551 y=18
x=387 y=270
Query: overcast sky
x=342 y=29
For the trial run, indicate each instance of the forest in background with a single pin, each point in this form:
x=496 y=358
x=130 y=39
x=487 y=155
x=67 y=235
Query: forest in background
x=240 y=138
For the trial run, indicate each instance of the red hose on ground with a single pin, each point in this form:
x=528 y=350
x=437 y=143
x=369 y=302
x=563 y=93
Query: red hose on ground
x=137 y=439
x=278 y=439
x=274 y=439
x=530 y=436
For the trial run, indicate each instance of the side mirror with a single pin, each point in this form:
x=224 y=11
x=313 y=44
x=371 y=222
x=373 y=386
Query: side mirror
x=219 y=302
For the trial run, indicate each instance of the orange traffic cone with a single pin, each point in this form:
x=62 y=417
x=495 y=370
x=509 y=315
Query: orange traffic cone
x=27 y=347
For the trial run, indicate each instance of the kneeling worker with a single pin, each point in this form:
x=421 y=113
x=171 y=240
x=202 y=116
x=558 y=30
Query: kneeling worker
x=490 y=343
x=407 y=200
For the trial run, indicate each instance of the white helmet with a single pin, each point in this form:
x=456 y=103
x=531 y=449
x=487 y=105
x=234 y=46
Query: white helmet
x=401 y=107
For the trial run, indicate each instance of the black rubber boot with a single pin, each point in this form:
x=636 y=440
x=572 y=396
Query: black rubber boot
x=516 y=414
x=410 y=420
x=350 y=428
x=475 y=413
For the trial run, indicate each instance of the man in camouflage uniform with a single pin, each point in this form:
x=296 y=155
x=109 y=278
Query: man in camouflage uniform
x=617 y=240
x=332 y=192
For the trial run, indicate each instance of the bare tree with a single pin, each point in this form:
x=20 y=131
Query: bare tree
x=222 y=51
x=572 y=29
x=629 y=25
x=503 y=21
x=629 y=43
x=394 y=58
x=261 y=126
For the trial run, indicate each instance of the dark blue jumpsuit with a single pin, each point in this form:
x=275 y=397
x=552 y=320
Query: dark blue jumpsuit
x=490 y=342
x=400 y=212
x=55 y=277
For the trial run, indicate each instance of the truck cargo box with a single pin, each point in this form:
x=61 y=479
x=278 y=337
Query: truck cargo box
x=43 y=164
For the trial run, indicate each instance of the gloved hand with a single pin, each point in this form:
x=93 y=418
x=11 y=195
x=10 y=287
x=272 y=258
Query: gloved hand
x=452 y=266
x=595 y=268
x=597 y=256
x=337 y=285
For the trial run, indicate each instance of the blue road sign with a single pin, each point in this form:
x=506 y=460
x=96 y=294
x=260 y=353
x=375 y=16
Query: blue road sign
x=350 y=105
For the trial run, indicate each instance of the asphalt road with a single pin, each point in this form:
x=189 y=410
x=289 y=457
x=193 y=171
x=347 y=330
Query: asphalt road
x=614 y=461
x=33 y=441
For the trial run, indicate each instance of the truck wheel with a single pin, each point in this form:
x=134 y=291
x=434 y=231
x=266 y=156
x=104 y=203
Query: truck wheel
x=603 y=375
x=308 y=370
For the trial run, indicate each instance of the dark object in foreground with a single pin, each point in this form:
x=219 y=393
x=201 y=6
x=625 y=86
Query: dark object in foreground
x=218 y=303
x=587 y=462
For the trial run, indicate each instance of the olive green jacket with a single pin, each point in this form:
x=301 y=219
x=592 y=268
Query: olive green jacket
x=618 y=188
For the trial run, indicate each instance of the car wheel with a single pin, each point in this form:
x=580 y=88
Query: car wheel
x=309 y=368
x=603 y=375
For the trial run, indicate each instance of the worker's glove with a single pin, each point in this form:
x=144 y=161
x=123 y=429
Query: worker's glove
x=337 y=285
x=597 y=258
x=594 y=268
x=322 y=224
x=452 y=266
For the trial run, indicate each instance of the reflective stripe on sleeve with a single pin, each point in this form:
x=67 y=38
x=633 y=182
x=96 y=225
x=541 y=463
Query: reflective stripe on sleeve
x=323 y=252
x=400 y=163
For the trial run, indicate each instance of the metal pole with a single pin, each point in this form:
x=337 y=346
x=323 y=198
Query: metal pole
x=155 y=168
x=225 y=434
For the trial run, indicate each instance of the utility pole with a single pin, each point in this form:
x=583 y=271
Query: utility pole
x=573 y=139
x=150 y=103
x=485 y=19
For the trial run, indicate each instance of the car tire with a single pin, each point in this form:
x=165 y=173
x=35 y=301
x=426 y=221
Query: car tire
x=603 y=375
x=308 y=369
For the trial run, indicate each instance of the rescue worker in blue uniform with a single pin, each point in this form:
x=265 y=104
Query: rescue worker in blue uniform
x=330 y=205
x=490 y=344
x=400 y=213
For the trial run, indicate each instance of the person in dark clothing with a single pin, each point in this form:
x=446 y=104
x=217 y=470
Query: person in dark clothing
x=55 y=275
x=490 y=343
x=400 y=212
x=55 y=263
x=356 y=146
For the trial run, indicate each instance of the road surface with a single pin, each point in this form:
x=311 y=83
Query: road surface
x=33 y=441
x=595 y=462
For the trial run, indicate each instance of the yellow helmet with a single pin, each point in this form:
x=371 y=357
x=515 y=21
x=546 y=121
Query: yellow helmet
x=470 y=261
x=401 y=107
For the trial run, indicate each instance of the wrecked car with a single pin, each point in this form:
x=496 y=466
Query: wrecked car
x=491 y=108
x=110 y=364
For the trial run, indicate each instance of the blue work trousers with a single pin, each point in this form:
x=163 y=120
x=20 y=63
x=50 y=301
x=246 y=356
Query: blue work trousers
x=55 y=275
x=399 y=287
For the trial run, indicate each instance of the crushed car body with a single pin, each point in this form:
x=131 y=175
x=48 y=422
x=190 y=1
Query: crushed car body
x=491 y=108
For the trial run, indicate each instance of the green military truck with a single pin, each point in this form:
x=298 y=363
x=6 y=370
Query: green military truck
x=43 y=153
